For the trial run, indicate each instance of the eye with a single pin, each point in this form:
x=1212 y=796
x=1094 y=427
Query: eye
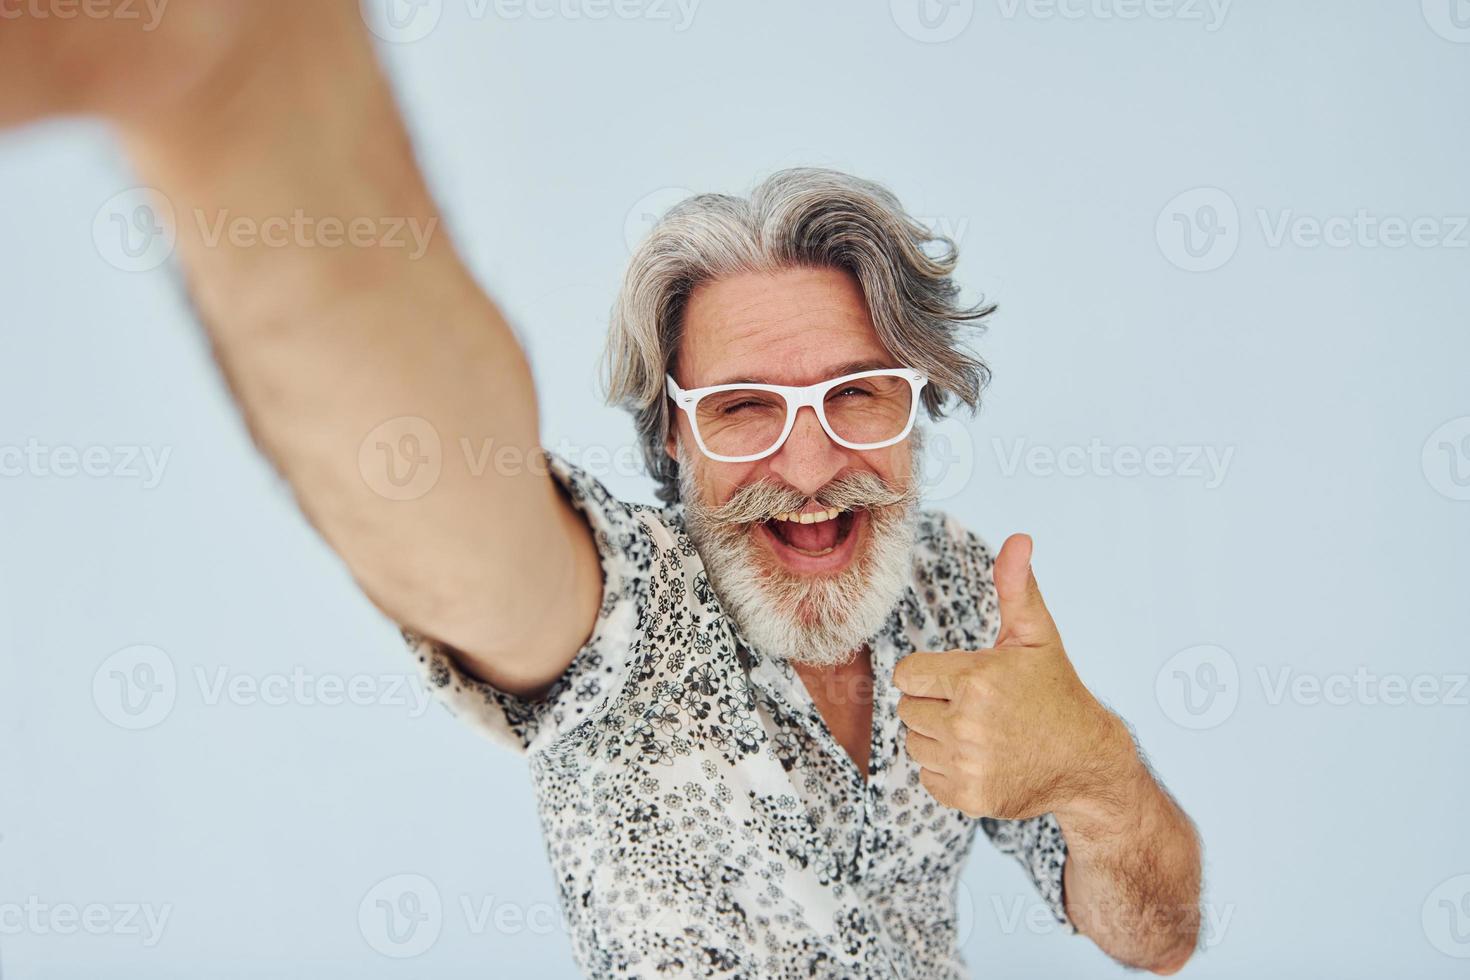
x=853 y=390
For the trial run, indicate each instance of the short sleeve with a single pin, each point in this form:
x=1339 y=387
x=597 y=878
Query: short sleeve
x=600 y=669
x=1041 y=850
x=1037 y=843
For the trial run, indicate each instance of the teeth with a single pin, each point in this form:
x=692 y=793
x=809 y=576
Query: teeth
x=822 y=515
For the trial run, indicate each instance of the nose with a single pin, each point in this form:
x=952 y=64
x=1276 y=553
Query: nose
x=809 y=459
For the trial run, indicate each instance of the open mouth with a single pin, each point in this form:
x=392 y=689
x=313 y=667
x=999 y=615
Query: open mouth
x=815 y=534
x=820 y=542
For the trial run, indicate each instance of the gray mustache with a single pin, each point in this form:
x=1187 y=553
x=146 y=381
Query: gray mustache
x=765 y=499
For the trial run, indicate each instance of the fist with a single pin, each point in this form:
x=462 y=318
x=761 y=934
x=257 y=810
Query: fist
x=1009 y=732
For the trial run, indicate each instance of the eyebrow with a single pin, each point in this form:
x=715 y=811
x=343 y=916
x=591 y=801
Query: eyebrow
x=851 y=367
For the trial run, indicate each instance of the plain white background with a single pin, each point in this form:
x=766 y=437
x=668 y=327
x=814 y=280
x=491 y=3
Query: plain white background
x=1136 y=185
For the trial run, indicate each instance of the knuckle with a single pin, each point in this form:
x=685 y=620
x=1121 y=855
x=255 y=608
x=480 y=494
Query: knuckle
x=968 y=728
x=970 y=759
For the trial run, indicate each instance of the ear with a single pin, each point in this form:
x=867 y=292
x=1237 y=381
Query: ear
x=671 y=436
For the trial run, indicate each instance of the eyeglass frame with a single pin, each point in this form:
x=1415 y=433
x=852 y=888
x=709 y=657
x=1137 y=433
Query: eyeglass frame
x=797 y=397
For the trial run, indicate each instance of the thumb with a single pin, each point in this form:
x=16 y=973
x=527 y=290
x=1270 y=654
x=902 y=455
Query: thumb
x=1024 y=619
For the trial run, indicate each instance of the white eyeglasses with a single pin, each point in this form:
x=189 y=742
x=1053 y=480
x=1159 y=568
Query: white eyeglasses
x=740 y=423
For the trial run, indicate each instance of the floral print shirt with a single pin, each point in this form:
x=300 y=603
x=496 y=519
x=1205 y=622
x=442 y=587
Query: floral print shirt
x=700 y=818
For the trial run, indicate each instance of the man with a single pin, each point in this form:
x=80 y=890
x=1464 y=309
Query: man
x=764 y=721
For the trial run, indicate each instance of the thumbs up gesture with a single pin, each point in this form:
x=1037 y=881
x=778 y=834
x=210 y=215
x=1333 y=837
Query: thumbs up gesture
x=1010 y=732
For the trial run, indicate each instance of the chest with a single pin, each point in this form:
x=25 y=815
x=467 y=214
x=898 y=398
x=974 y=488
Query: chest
x=843 y=696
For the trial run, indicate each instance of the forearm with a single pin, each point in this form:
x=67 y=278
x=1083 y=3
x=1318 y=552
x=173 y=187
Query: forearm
x=323 y=339
x=1132 y=878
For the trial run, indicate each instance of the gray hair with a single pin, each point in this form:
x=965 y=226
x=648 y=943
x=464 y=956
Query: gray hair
x=802 y=217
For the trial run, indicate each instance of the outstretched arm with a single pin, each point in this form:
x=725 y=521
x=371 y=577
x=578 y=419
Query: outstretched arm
x=274 y=111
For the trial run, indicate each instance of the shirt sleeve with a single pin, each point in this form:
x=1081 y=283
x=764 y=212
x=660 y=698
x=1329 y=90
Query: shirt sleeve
x=1041 y=850
x=1037 y=844
x=601 y=668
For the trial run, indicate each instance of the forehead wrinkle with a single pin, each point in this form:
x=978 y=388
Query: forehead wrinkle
x=752 y=334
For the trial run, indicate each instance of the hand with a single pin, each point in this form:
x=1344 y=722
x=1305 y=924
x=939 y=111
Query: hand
x=142 y=63
x=1011 y=732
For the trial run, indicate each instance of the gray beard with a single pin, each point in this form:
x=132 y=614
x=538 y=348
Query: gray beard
x=820 y=621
